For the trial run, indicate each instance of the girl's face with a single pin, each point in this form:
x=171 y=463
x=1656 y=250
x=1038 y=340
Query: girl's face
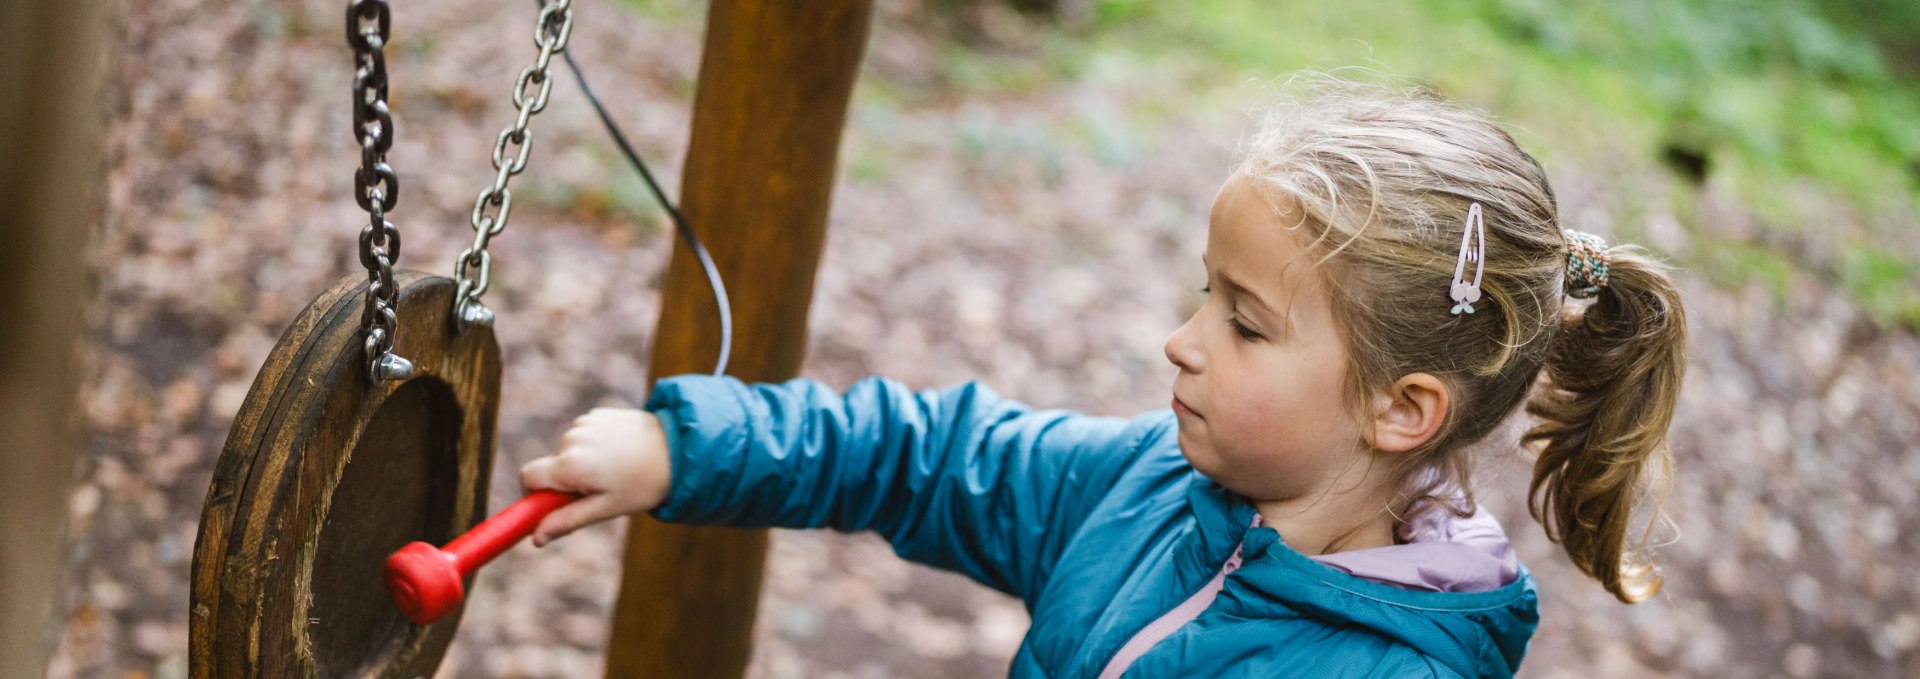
x=1259 y=394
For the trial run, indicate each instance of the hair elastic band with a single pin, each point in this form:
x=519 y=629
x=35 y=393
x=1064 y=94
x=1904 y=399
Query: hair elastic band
x=1587 y=264
x=1464 y=293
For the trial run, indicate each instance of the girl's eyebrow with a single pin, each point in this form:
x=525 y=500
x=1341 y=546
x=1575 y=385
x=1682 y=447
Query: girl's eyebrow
x=1244 y=291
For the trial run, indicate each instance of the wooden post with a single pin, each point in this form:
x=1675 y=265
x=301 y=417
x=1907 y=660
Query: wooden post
x=775 y=79
x=51 y=68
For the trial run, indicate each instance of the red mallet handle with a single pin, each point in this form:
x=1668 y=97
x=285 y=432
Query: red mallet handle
x=425 y=581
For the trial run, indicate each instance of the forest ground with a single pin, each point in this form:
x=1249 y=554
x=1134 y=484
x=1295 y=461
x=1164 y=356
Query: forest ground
x=1043 y=240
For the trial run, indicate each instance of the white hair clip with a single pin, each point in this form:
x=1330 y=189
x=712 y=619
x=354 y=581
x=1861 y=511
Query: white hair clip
x=1464 y=293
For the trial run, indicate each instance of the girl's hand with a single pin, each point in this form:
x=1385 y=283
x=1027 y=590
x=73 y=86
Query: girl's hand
x=616 y=458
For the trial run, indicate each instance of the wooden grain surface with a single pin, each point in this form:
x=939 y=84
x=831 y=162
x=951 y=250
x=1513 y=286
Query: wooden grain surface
x=775 y=78
x=323 y=474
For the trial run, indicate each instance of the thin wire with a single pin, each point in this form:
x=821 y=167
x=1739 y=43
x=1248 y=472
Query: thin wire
x=679 y=221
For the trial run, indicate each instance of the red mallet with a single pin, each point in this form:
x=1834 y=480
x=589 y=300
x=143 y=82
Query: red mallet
x=425 y=581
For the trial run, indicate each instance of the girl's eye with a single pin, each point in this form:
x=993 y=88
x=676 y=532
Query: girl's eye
x=1244 y=332
x=1204 y=289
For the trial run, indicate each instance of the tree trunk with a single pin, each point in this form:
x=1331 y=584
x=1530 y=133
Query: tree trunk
x=50 y=68
x=775 y=79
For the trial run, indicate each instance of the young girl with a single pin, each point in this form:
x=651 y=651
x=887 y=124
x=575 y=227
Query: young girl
x=1387 y=280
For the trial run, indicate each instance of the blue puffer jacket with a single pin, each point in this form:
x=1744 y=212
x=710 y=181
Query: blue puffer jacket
x=1098 y=524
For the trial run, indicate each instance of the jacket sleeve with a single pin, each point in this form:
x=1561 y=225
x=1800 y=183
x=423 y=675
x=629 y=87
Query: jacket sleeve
x=955 y=478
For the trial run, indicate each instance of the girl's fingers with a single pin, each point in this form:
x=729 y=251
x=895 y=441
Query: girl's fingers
x=591 y=461
x=572 y=517
x=559 y=471
x=538 y=474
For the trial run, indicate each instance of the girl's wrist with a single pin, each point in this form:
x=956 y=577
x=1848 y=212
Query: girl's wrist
x=656 y=461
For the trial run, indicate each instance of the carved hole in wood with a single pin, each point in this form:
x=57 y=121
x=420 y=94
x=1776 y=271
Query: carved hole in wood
x=409 y=444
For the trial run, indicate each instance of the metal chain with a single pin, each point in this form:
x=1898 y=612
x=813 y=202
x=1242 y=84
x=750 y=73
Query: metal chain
x=474 y=267
x=375 y=186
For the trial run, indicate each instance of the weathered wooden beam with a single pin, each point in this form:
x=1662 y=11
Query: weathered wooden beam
x=50 y=165
x=775 y=79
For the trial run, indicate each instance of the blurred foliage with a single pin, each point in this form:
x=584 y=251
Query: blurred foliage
x=1798 y=110
x=1773 y=90
x=1785 y=86
x=1883 y=283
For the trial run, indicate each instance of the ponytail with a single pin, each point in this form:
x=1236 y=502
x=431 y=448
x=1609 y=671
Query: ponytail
x=1613 y=377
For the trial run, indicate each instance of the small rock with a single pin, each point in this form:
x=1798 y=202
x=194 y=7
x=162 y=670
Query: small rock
x=1880 y=526
x=800 y=622
x=183 y=398
x=998 y=628
x=227 y=398
x=1783 y=539
x=930 y=636
x=84 y=501
x=1902 y=633
x=109 y=594
x=1804 y=592
x=1801 y=661
x=158 y=639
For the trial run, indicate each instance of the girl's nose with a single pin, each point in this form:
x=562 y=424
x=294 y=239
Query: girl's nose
x=1181 y=349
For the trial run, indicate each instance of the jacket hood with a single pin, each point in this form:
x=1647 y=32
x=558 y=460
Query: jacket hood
x=1439 y=551
x=1473 y=634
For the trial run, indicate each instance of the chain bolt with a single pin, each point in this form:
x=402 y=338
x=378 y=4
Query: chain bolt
x=392 y=367
x=475 y=314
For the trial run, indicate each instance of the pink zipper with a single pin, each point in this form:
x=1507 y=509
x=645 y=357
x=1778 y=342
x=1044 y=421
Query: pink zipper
x=1174 y=619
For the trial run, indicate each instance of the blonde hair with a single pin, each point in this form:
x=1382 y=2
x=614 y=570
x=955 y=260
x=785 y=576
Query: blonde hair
x=1381 y=178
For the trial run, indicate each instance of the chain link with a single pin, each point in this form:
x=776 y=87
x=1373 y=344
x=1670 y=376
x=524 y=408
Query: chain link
x=376 y=187
x=473 y=269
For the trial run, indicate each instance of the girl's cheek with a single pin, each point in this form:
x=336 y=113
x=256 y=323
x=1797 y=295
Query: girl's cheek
x=1265 y=403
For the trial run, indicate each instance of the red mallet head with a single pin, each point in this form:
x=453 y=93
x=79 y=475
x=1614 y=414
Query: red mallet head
x=424 y=582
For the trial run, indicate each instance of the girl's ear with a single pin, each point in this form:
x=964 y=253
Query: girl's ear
x=1409 y=413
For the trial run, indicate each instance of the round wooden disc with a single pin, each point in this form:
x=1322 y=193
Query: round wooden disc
x=324 y=474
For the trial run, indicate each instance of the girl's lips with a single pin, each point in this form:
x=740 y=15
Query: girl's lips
x=1180 y=408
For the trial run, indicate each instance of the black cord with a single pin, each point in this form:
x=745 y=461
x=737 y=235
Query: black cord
x=679 y=221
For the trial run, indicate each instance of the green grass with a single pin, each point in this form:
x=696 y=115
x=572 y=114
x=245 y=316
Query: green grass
x=1883 y=284
x=1738 y=263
